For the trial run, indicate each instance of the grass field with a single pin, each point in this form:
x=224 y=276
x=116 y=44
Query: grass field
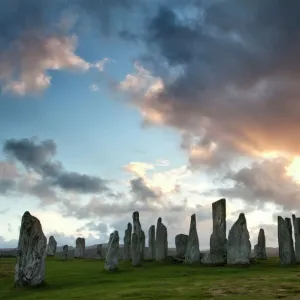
x=86 y=279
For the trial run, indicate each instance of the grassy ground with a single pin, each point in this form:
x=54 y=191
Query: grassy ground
x=86 y=279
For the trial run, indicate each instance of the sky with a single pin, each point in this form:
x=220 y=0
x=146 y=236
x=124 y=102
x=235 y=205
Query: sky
x=163 y=106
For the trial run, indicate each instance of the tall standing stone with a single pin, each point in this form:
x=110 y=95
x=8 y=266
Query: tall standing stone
x=192 y=254
x=218 y=241
x=151 y=242
x=111 y=261
x=80 y=247
x=296 y=223
x=31 y=254
x=142 y=244
x=127 y=242
x=52 y=244
x=65 y=252
x=135 y=250
x=285 y=241
x=161 y=241
x=238 y=245
x=260 y=248
x=181 y=242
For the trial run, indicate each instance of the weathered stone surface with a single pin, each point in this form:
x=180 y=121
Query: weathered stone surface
x=161 y=241
x=218 y=242
x=135 y=250
x=65 y=251
x=260 y=248
x=137 y=228
x=181 y=242
x=151 y=242
x=80 y=247
x=99 y=251
x=51 y=248
x=142 y=244
x=285 y=241
x=296 y=223
x=31 y=254
x=238 y=245
x=127 y=242
x=192 y=254
x=111 y=261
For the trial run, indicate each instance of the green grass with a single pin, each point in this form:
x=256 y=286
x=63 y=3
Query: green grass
x=87 y=279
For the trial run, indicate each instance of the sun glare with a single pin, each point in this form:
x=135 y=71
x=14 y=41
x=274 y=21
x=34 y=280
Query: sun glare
x=293 y=169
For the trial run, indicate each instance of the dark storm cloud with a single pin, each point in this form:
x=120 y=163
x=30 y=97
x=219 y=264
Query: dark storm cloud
x=39 y=156
x=6 y=185
x=141 y=191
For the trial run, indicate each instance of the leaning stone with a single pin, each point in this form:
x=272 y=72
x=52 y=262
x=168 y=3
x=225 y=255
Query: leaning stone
x=111 y=261
x=127 y=242
x=192 y=254
x=31 y=254
x=296 y=223
x=260 y=248
x=135 y=250
x=161 y=251
x=151 y=242
x=142 y=244
x=181 y=242
x=285 y=241
x=51 y=248
x=238 y=245
x=218 y=241
x=65 y=251
x=80 y=247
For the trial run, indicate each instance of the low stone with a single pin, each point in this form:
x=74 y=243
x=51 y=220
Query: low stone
x=181 y=242
x=65 y=252
x=151 y=242
x=111 y=261
x=31 y=252
x=80 y=247
x=99 y=251
x=238 y=245
x=52 y=244
x=161 y=242
x=192 y=254
x=260 y=248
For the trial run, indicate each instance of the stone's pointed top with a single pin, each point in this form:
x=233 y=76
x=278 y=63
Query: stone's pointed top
x=136 y=216
x=293 y=216
x=129 y=225
x=159 y=220
x=280 y=218
x=26 y=213
x=219 y=201
x=261 y=230
x=193 y=217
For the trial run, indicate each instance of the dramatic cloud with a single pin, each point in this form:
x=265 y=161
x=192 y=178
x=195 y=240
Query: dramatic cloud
x=39 y=157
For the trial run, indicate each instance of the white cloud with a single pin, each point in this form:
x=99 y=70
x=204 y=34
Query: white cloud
x=94 y=87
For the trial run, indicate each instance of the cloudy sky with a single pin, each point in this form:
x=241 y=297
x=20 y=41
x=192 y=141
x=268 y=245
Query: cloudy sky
x=162 y=106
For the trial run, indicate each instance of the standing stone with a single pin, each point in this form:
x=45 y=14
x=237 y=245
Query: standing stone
x=260 y=248
x=99 y=251
x=285 y=241
x=80 y=247
x=138 y=230
x=151 y=242
x=142 y=244
x=31 y=254
x=296 y=223
x=192 y=254
x=218 y=241
x=161 y=242
x=181 y=242
x=51 y=246
x=238 y=245
x=127 y=242
x=65 y=251
x=135 y=250
x=111 y=261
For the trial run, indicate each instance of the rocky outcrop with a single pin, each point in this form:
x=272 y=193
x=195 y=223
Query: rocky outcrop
x=80 y=247
x=285 y=241
x=296 y=223
x=111 y=261
x=161 y=242
x=181 y=242
x=127 y=242
x=260 y=248
x=151 y=242
x=142 y=244
x=52 y=244
x=238 y=245
x=65 y=252
x=135 y=250
x=218 y=242
x=192 y=254
x=31 y=253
